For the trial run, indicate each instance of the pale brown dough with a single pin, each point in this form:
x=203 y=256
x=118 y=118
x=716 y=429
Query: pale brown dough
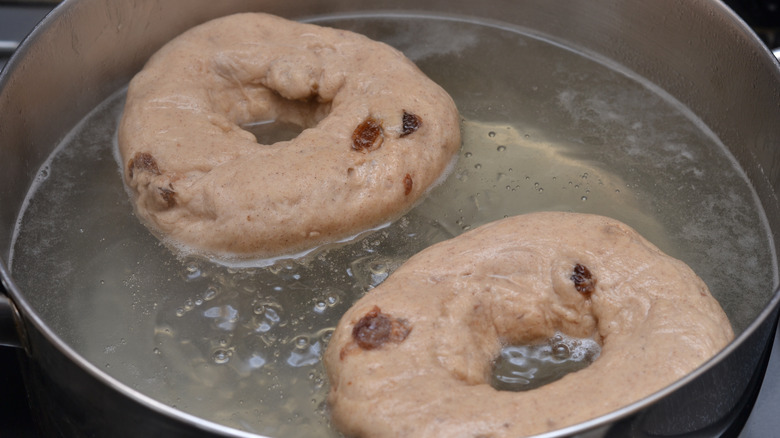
x=412 y=358
x=379 y=134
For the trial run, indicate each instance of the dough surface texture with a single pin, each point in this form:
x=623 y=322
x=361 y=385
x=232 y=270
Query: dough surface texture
x=377 y=134
x=413 y=357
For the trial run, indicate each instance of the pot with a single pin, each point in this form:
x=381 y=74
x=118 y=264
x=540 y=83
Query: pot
x=697 y=55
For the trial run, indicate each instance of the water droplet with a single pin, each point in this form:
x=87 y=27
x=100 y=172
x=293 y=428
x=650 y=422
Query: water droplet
x=501 y=148
x=491 y=134
x=477 y=166
x=180 y=311
x=584 y=198
x=468 y=154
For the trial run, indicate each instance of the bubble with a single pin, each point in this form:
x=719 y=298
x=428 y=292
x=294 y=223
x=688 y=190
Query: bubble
x=525 y=367
x=332 y=300
x=192 y=272
x=268 y=314
x=320 y=306
x=221 y=356
x=325 y=334
x=560 y=351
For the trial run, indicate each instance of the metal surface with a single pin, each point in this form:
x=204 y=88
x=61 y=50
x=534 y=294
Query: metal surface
x=9 y=323
x=88 y=32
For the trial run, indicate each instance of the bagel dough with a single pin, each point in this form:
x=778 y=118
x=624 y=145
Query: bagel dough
x=377 y=134
x=413 y=357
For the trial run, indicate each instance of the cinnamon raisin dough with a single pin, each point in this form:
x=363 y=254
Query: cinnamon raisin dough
x=412 y=358
x=377 y=133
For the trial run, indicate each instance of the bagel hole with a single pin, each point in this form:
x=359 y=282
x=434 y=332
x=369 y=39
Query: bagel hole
x=525 y=367
x=273 y=131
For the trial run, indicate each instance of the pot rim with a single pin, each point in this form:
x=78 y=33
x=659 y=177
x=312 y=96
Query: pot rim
x=30 y=316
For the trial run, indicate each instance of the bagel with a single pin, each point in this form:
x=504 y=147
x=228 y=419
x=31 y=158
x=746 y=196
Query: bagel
x=413 y=357
x=376 y=135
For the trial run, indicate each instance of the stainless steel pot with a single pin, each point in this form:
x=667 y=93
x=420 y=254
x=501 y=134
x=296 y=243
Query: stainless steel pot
x=697 y=51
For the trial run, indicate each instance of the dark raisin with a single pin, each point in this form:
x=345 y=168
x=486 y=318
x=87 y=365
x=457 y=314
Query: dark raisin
x=168 y=195
x=408 y=183
x=583 y=280
x=375 y=329
x=367 y=136
x=143 y=161
x=411 y=123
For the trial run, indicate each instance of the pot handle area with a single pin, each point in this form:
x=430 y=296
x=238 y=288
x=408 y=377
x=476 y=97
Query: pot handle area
x=10 y=321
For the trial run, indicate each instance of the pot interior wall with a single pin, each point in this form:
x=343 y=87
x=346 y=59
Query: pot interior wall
x=579 y=88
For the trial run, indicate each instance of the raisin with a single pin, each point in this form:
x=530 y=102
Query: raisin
x=411 y=123
x=375 y=329
x=367 y=136
x=168 y=195
x=408 y=183
x=583 y=280
x=143 y=161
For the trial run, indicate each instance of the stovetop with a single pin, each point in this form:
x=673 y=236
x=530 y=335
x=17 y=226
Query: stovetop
x=17 y=19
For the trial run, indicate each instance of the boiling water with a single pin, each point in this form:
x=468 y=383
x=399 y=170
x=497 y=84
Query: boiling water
x=544 y=128
x=526 y=367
